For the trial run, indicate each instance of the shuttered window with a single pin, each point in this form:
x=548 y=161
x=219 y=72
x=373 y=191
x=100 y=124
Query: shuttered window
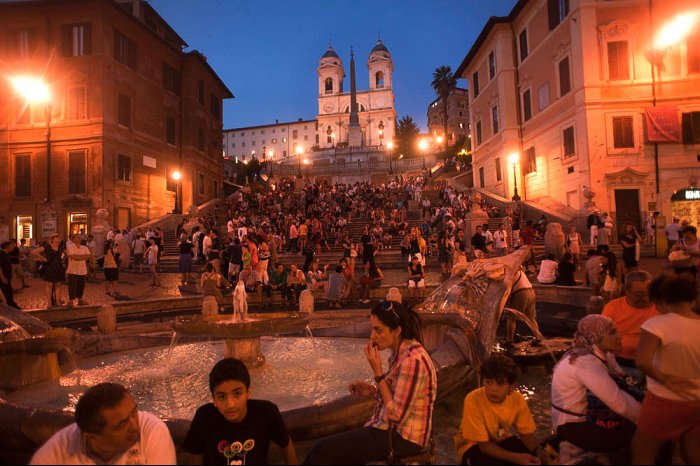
x=623 y=132
x=76 y=172
x=23 y=175
x=618 y=60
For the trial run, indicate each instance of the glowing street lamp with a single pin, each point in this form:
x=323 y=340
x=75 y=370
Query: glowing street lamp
x=423 y=146
x=299 y=151
x=514 y=158
x=390 y=146
x=176 y=176
x=36 y=91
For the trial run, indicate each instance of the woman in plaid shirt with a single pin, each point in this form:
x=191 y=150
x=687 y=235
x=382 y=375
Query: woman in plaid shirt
x=405 y=394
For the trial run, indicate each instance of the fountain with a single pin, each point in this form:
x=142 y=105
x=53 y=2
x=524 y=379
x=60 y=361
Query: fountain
x=460 y=320
x=28 y=359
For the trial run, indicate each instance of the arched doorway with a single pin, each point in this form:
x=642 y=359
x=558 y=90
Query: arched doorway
x=685 y=205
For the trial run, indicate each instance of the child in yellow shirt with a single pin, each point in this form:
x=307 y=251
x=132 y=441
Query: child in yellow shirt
x=491 y=413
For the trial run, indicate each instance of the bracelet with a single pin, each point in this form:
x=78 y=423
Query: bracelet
x=379 y=379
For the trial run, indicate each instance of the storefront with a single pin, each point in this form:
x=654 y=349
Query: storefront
x=77 y=223
x=24 y=228
x=685 y=205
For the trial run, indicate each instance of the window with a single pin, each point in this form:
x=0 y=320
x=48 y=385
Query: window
x=233 y=144
x=284 y=153
x=200 y=94
x=499 y=175
x=527 y=106
x=522 y=39
x=23 y=175
x=253 y=144
x=124 y=50
x=242 y=134
x=76 y=104
x=306 y=137
x=274 y=140
x=171 y=79
x=200 y=139
x=295 y=134
x=557 y=10
x=461 y=126
x=125 y=110
x=253 y=133
x=284 y=140
x=379 y=80
x=76 y=40
x=170 y=130
x=243 y=144
x=623 y=132
x=475 y=83
x=618 y=60
x=262 y=131
x=494 y=119
x=215 y=106
x=76 y=172
x=329 y=85
x=543 y=96
x=123 y=167
x=482 y=182
x=170 y=183
x=492 y=65
x=691 y=128
x=569 y=142
x=694 y=53
x=564 y=77
x=478 y=133
x=200 y=184
x=530 y=162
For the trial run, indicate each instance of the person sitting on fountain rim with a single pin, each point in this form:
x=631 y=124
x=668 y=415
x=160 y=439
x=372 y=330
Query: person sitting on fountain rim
x=524 y=300
x=235 y=429
x=591 y=406
x=405 y=395
x=490 y=413
x=109 y=429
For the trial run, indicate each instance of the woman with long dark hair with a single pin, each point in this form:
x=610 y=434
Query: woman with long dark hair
x=405 y=394
x=612 y=276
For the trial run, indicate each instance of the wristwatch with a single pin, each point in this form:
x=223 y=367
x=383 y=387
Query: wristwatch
x=379 y=379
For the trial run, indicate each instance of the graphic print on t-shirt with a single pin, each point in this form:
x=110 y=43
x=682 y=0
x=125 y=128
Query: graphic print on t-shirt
x=236 y=452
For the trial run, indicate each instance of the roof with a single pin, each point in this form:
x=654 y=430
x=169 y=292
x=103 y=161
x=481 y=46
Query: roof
x=330 y=53
x=490 y=24
x=380 y=47
x=203 y=60
x=271 y=125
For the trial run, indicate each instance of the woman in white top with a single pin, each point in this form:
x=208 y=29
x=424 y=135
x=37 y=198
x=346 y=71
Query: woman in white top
x=574 y=242
x=588 y=367
x=669 y=353
x=548 y=271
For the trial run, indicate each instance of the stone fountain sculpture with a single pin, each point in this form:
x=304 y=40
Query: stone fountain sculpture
x=555 y=240
x=192 y=221
x=101 y=228
x=27 y=359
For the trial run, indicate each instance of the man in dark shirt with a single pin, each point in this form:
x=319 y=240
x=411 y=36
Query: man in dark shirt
x=215 y=251
x=278 y=282
x=235 y=429
x=235 y=252
x=6 y=273
x=479 y=240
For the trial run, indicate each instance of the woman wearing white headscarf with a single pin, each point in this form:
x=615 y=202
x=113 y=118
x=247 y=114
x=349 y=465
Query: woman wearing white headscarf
x=589 y=368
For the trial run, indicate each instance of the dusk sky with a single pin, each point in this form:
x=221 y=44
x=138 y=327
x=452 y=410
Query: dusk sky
x=267 y=51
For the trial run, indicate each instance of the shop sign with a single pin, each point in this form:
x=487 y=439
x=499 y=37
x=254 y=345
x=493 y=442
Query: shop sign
x=49 y=224
x=691 y=194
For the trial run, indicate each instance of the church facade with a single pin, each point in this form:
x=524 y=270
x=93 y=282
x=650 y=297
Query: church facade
x=375 y=106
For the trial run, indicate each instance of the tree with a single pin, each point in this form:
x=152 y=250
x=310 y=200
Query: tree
x=443 y=83
x=406 y=133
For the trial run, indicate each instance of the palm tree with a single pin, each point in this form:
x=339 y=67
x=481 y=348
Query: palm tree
x=443 y=83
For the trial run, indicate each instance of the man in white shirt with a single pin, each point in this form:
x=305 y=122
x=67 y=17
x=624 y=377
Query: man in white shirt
x=206 y=244
x=673 y=233
x=109 y=429
x=78 y=256
x=230 y=228
x=500 y=240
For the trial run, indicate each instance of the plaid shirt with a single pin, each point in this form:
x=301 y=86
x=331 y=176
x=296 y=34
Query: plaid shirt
x=413 y=381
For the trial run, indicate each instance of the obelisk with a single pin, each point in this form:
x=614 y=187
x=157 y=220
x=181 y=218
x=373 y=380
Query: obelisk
x=354 y=130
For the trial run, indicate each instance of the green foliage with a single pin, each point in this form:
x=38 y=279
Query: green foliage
x=407 y=132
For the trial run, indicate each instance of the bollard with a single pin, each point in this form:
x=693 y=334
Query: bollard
x=306 y=302
x=107 y=320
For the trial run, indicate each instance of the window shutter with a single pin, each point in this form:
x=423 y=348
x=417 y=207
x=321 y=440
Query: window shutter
x=687 y=128
x=67 y=41
x=553 y=12
x=87 y=39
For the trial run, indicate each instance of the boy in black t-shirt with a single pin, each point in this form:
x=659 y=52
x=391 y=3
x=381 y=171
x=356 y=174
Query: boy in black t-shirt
x=235 y=429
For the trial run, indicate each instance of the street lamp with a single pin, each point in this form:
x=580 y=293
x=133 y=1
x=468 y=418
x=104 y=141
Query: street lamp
x=423 y=146
x=390 y=146
x=36 y=91
x=176 y=176
x=299 y=150
x=333 y=138
x=381 y=133
x=271 y=162
x=514 y=158
x=439 y=140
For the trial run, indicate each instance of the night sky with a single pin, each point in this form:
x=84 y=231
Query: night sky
x=267 y=51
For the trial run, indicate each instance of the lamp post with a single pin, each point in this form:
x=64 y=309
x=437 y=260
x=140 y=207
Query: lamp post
x=423 y=146
x=439 y=140
x=390 y=146
x=299 y=150
x=513 y=159
x=381 y=133
x=271 y=162
x=176 y=176
x=36 y=91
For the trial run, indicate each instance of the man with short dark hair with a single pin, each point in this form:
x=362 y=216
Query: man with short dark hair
x=109 y=429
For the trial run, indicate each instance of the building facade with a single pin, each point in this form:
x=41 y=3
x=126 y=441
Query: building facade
x=591 y=113
x=457 y=116
x=278 y=142
x=128 y=108
x=376 y=111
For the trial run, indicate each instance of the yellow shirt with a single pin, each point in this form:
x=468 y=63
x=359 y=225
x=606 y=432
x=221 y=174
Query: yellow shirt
x=303 y=230
x=483 y=421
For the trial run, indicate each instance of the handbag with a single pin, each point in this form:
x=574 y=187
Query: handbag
x=598 y=414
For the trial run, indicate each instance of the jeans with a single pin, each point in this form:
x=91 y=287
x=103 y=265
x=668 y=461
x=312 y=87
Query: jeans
x=360 y=446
